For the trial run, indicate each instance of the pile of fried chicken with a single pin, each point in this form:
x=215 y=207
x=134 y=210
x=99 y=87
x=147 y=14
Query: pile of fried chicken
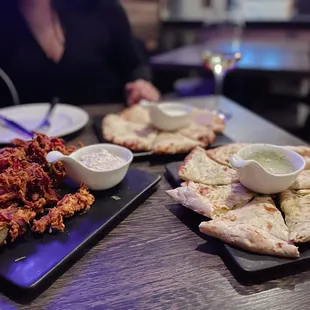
x=30 y=189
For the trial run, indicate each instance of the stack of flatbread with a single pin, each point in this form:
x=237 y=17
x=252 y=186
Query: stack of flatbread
x=132 y=129
x=238 y=216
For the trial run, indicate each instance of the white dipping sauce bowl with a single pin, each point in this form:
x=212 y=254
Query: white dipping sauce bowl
x=256 y=178
x=94 y=179
x=169 y=116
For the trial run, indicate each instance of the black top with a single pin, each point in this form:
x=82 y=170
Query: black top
x=302 y=7
x=100 y=55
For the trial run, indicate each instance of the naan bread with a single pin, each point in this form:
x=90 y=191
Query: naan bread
x=257 y=227
x=296 y=206
x=200 y=168
x=222 y=154
x=302 y=181
x=302 y=150
x=137 y=137
x=136 y=114
x=199 y=133
x=206 y=118
x=307 y=162
x=211 y=201
x=174 y=143
x=132 y=128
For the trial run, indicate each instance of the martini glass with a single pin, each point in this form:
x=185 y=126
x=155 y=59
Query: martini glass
x=221 y=49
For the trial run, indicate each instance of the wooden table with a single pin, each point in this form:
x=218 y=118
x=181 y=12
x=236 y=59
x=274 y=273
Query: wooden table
x=272 y=56
x=153 y=261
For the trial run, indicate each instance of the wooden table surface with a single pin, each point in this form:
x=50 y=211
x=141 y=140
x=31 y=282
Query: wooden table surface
x=154 y=261
x=258 y=55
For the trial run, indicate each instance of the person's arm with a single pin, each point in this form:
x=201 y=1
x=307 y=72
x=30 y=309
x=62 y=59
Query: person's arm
x=127 y=54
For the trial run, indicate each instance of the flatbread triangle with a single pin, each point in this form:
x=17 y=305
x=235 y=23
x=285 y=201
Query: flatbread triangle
x=211 y=201
x=223 y=154
x=137 y=137
x=295 y=205
x=257 y=227
x=174 y=143
x=200 y=168
x=302 y=181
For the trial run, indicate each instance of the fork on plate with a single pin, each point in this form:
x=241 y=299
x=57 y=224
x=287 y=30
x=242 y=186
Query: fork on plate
x=46 y=123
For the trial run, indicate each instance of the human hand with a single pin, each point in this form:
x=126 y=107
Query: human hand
x=139 y=90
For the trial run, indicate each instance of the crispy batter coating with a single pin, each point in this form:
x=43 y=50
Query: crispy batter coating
x=29 y=186
x=66 y=207
x=16 y=219
x=9 y=156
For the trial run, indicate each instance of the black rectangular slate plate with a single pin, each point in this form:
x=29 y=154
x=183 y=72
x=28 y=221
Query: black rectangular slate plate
x=220 y=140
x=257 y=267
x=46 y=253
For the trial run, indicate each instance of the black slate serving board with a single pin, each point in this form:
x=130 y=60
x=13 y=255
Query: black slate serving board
x=47 y=252
x=254 y=266
x=220 y=140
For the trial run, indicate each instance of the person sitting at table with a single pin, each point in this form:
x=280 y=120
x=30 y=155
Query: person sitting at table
x=79 y=50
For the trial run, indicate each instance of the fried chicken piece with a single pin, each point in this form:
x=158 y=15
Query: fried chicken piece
x=28 y=183
x=66 y=207
x=8 y=197
x=37 y=206
x=23 y=213
x=53 y=219
x=9 y=156
x=38 y=147
x=20 y=143
x=16 y=229
x=15 y=219
x=19 y=218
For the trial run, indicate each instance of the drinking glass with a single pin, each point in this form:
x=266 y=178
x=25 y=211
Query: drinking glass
x=220 y=49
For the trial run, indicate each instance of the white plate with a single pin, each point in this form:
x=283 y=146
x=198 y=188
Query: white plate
x=66 y=119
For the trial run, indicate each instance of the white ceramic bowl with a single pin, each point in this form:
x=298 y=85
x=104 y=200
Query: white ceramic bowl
x=99 y=180
x=253 y=176
x=169 y=116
